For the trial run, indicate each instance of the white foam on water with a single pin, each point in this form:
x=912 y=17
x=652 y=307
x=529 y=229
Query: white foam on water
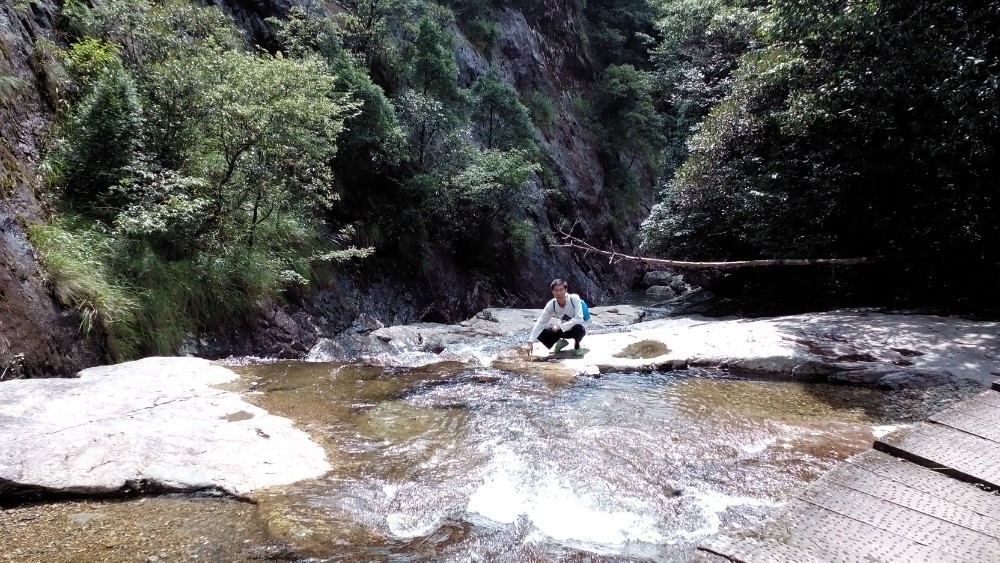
x=499 y=498
x=712 y=504
x=758 y=446
x=406 y=358
x=406 y=526
x=390 y=490
x=511 y=489
x=473 y=354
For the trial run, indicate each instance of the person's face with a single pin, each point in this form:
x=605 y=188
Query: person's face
x=559 y=292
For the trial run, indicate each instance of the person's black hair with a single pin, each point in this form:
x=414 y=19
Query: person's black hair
x=558 y=281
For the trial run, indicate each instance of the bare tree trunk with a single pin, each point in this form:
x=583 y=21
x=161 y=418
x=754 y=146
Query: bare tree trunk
x=569 y=241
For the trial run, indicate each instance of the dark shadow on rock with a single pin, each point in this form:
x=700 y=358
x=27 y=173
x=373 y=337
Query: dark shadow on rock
x=859 y=350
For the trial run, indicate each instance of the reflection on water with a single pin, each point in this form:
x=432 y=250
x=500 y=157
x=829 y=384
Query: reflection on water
x=448 y=462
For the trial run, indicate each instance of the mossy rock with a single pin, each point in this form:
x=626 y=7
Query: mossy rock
x=643 y=350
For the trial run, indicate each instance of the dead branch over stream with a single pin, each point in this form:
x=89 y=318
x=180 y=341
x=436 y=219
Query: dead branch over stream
x=571 y=242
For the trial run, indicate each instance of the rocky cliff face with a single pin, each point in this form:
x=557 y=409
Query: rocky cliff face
x=540 y=49
x=36 y=336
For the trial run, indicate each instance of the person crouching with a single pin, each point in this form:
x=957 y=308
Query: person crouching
x=561 y=319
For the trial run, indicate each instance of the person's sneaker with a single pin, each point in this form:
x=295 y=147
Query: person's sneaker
x=560 y=345
x=580 y=351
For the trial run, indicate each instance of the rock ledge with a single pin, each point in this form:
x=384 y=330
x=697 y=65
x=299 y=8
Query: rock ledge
x=156 y=424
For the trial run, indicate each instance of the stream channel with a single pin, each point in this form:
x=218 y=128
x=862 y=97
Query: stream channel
x=452 y=462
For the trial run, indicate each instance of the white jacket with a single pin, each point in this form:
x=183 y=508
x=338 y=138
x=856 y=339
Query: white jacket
x=568 y=316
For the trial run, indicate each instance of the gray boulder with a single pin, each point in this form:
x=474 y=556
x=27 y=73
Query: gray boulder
x=662 y=291
x=156 y=424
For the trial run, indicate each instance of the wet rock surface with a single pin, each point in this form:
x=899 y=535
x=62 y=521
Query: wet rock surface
x=159 y=424
x=164 y=529
x=451 y=342
x=37 y=338
x=893 y=351
x=152 y=425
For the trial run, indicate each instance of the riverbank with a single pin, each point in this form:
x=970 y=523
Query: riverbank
x=159 y=424
x=850 y=346
x=185 y=424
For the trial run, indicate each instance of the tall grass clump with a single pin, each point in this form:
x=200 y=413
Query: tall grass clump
x=78 y=260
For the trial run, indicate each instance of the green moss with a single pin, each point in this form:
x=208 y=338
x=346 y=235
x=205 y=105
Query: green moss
x=643 y=350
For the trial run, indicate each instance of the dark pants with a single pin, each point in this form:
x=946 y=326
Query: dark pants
x=548 y=337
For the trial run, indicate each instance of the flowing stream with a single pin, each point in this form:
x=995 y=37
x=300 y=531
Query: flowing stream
x=447 y=462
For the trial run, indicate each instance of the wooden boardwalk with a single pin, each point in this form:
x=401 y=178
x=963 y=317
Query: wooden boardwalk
x=925 y=493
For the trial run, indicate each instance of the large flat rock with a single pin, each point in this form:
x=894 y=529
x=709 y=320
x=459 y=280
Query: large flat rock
x=152 y=424
x=890 y=350
x=421 y=343
x=852 y=346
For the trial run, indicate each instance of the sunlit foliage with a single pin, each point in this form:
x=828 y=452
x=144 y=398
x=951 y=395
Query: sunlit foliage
x=197 y=156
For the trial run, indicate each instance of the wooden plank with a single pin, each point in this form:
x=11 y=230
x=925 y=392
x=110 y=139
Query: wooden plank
x=753 y=550
x=926 y=481
x=829 y=536
x=875 y=507
x=956 y=540
x=986 y=398
x=976 y=416
x=920 y=489
x=953 y=452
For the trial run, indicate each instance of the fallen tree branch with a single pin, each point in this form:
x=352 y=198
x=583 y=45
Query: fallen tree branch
x=569 y=241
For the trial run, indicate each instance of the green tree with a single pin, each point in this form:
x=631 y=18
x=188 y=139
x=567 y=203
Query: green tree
x=856 y=129
x=433 y=71
x=432 y=129
x=700 y=44
x=501 y=119
x=621 y=31
x=473 y=208
x=103 y=131
x=372 y=134
x=223 y=208
x=622 y=103
x=266 y=137
x=368 y=27
x=494 y=184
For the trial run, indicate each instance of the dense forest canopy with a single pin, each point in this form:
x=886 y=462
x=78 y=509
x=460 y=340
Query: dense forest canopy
x=197 y=174
x=850 y=128
x=846 y=129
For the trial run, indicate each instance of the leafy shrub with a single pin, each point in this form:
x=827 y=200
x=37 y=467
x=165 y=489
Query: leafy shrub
x=542 y=109
x=103 y=135
x=206 y=168
x=484 y=33
x=77 y=258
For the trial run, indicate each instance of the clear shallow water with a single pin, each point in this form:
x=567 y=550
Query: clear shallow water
x=451 y=463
